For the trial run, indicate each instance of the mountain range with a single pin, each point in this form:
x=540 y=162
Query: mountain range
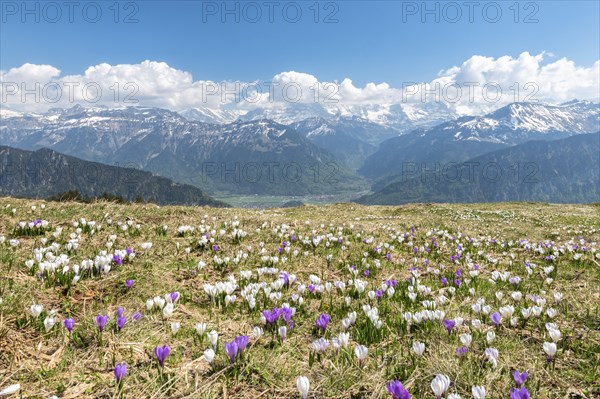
x=294 y=150
x=559 y=171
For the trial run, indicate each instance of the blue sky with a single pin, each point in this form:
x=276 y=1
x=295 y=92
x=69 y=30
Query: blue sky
x=370 y=42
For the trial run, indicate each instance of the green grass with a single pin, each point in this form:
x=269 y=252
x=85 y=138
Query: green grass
x=81 y=365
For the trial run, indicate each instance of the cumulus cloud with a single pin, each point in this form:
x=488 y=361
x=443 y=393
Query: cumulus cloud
x=478 y=85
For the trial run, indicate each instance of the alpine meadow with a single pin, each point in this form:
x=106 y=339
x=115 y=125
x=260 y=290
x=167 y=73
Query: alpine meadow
x=324 y=199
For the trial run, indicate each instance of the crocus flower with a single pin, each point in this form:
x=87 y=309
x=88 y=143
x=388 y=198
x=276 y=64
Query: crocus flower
x=117 y=259
x=120 y=371
x=49 y=323
x=478 y=392
x=449 y=325
x=101 y=322
x=520 y=378
x=121 y=321
x=241 y=342
x=460 y=352
x=282 y=332
x=418 y=348
x=161 y=353
x=174 y=296
x=36 y=310
x=550 y=349
x=496 y=318
x=323 y=321
x=232 y=349
x=129 y=283
x=519 y=393
x=213 y=337
x=136 y=316
x=303 y=386
x=397 y=390
x=69 y=324
x=440 y=385
x=120 y=311
x=209 y=355
x=361 y=353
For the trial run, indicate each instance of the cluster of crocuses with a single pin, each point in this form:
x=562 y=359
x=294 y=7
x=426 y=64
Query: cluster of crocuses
x=444 y=268
x=235 y=349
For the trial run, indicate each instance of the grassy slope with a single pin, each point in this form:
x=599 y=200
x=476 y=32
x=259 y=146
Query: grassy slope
x=47 y=363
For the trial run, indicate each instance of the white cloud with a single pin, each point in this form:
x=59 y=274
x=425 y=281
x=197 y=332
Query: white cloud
x=151 y=83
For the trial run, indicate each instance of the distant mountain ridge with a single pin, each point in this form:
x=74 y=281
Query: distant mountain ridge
x=46 y=173
x=562 y=171
x=470 y=136
x=239 y=157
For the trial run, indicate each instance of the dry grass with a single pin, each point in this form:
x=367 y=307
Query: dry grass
x=52 y=363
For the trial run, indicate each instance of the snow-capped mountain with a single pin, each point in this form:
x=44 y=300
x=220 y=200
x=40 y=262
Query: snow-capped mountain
x=402 y=117
x=350 y=138
x=210 y=115
x=232 y=158
x=471 y=136
x=520 y=121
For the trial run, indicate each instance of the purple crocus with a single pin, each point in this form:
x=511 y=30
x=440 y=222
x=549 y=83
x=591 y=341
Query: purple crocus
x=520 y=378
x=215 y=247
x=120 y=311
x=232 y=349
x=519 y=393
x=121 y=321
x=378 y=294
x=128 y=250
x=120 y=371
x=397 y=390
x=323 y=321
x=496 y=318
x=174 y=296
x=117 y=259
x=449 y=325
x=69 y=324
x=457 y=282
x=101 y=322
x=161 y=353
x=444 y=281
x=242 y=342
x=463 y=350
x=367 y=272
x=129 y=283
x=136 y=316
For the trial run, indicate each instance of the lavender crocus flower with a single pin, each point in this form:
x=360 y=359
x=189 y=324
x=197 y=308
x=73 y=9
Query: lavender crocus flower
x=397 y=390
x=121 y=321
x=323 y=321
x=449 y=325
x=460 y=352
x=519 y=393
x=174 y=296
x=117 y=259
x=496 y=318
x=136 y=316
x=232 y=349
x=69 y=324
x=120 y=371
x=161 y=353
x=520 y=378
x=129 y=283
x=120 y=311
x=242 y=342
x=101 y=322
